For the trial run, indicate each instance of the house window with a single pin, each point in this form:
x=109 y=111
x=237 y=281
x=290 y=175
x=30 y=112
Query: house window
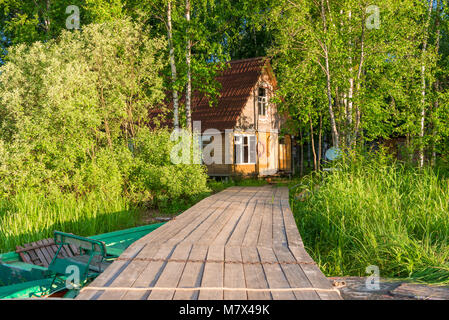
x=262 y=102
x=245 y=149
x=205 y=141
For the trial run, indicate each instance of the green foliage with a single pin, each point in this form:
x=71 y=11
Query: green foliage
x=70 y=105
x=36 y=20
x=154 y=170
x=375 y=212
x=75 y=148
x=375 y=76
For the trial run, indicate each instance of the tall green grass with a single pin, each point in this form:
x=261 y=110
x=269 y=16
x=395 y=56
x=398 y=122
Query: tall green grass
x=371 y=212
x=28 y=216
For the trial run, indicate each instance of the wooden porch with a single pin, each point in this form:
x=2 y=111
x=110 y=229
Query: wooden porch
x=241 y=243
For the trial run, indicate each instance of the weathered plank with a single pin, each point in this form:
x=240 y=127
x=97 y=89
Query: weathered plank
x=106 y=278
x=234 y=275
x=252 y=234
x=213 y=274
x=149 y=276
x=274 y=274
x=295 y=275
x=128 y=275
x=266 y=228
x=172 y=273
x=254 y=274
x=193 y=273
x=239 y=232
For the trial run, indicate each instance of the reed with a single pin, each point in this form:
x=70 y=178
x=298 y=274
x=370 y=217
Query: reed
x=29 y=216
x=376 y=213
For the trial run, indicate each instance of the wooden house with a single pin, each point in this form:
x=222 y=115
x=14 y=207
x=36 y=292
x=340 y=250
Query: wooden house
x=241 y=134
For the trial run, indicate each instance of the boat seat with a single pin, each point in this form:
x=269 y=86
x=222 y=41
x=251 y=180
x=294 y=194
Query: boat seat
x=97 y=264
x=90 y=262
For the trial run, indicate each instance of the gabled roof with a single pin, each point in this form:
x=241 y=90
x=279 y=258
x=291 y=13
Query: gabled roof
x=237 y=83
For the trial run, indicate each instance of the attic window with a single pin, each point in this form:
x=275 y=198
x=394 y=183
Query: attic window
x=262 y=102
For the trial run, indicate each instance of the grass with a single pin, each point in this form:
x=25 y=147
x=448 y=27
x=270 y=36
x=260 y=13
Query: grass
x=374 y=213
x=29 y=217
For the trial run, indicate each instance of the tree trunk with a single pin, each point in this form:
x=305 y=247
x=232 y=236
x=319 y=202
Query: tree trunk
x=359 y=75
x=173 y=67
x=189 y=75
x=312 y=142
x=423 y=87
x=350 y=91
x=320 y=142
x=335 y=135
x=437 y=87
x=301 y=165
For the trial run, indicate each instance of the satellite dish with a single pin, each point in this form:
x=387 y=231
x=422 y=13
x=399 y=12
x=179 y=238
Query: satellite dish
x=333 y=154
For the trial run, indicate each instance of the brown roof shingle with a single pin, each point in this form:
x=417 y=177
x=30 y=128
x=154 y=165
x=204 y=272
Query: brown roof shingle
x=237 y=83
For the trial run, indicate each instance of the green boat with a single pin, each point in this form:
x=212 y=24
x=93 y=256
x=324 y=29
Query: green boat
x=20 y=279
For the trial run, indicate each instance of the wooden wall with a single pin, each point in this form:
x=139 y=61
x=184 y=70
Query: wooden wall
x=272 y=157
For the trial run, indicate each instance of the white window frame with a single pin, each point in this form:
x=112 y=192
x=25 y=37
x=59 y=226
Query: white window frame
x=262 y=100
x=238 y=143
x=202 y=146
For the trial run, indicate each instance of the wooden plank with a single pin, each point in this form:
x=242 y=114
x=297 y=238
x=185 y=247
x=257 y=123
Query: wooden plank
x=223 y=236
x=274 y=274
x=24 y=255
x=106 y=278
x=213 y=274
x=50 y=248
x=149 y=276
x=279 y=234
x=74 y=251
x=295 y=275
x=212 y=220
x=170 y=228
x=239 y=232
x=42 y=260
x=254 y=274
x=266 y=228
x=172 y=273
x=46 y=251
x=34 y=257
x=128 y=275
x=193 y=273
x=210 y=235
x=252 y=234
x=234 y=275
x=314 y=274
x=195 y=230
x=293 y=237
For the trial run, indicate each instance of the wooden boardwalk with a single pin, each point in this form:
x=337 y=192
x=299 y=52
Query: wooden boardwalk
x=241 y=243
